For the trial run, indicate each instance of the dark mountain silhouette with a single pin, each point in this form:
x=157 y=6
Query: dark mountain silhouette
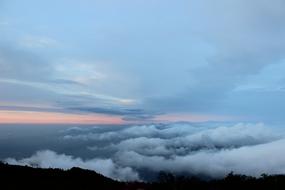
x=24 y=177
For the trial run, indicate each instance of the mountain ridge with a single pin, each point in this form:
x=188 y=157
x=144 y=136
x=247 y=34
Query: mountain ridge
x=23 y=177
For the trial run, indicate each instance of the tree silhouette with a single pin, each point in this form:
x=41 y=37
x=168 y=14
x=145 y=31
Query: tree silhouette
x=24 y=177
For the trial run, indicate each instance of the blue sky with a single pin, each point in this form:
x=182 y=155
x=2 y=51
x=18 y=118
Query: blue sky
x=142 y=61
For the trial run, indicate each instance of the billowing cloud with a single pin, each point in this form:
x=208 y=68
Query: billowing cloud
x=238 y=134
x=250 y=160
x=205 y=149
x=208 y=149
x=50 y=159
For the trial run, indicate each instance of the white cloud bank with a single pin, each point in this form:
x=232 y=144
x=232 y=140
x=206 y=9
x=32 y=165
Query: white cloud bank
x=214 y=151
x=50 y=159
x=250 y=160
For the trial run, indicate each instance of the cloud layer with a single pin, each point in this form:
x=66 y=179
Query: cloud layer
x=50 y=159
x=209 y=149
x=133 y=60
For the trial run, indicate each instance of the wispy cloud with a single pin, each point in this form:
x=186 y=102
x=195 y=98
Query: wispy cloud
x=156 y=62
x=38 y=42
x=4 y=23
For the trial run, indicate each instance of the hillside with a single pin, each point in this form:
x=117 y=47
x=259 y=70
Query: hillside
x=23 y=177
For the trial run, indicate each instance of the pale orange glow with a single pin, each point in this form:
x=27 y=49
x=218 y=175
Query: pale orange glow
x=35 y=117
x=192 y=118
x=56 y=118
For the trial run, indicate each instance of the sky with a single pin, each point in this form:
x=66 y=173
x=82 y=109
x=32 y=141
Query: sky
x=142 y=61
x=132 y=87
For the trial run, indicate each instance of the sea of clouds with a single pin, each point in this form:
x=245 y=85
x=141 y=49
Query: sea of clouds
x=181 y=148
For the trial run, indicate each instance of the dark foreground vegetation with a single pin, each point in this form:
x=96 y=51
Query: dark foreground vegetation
x=23 y=177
